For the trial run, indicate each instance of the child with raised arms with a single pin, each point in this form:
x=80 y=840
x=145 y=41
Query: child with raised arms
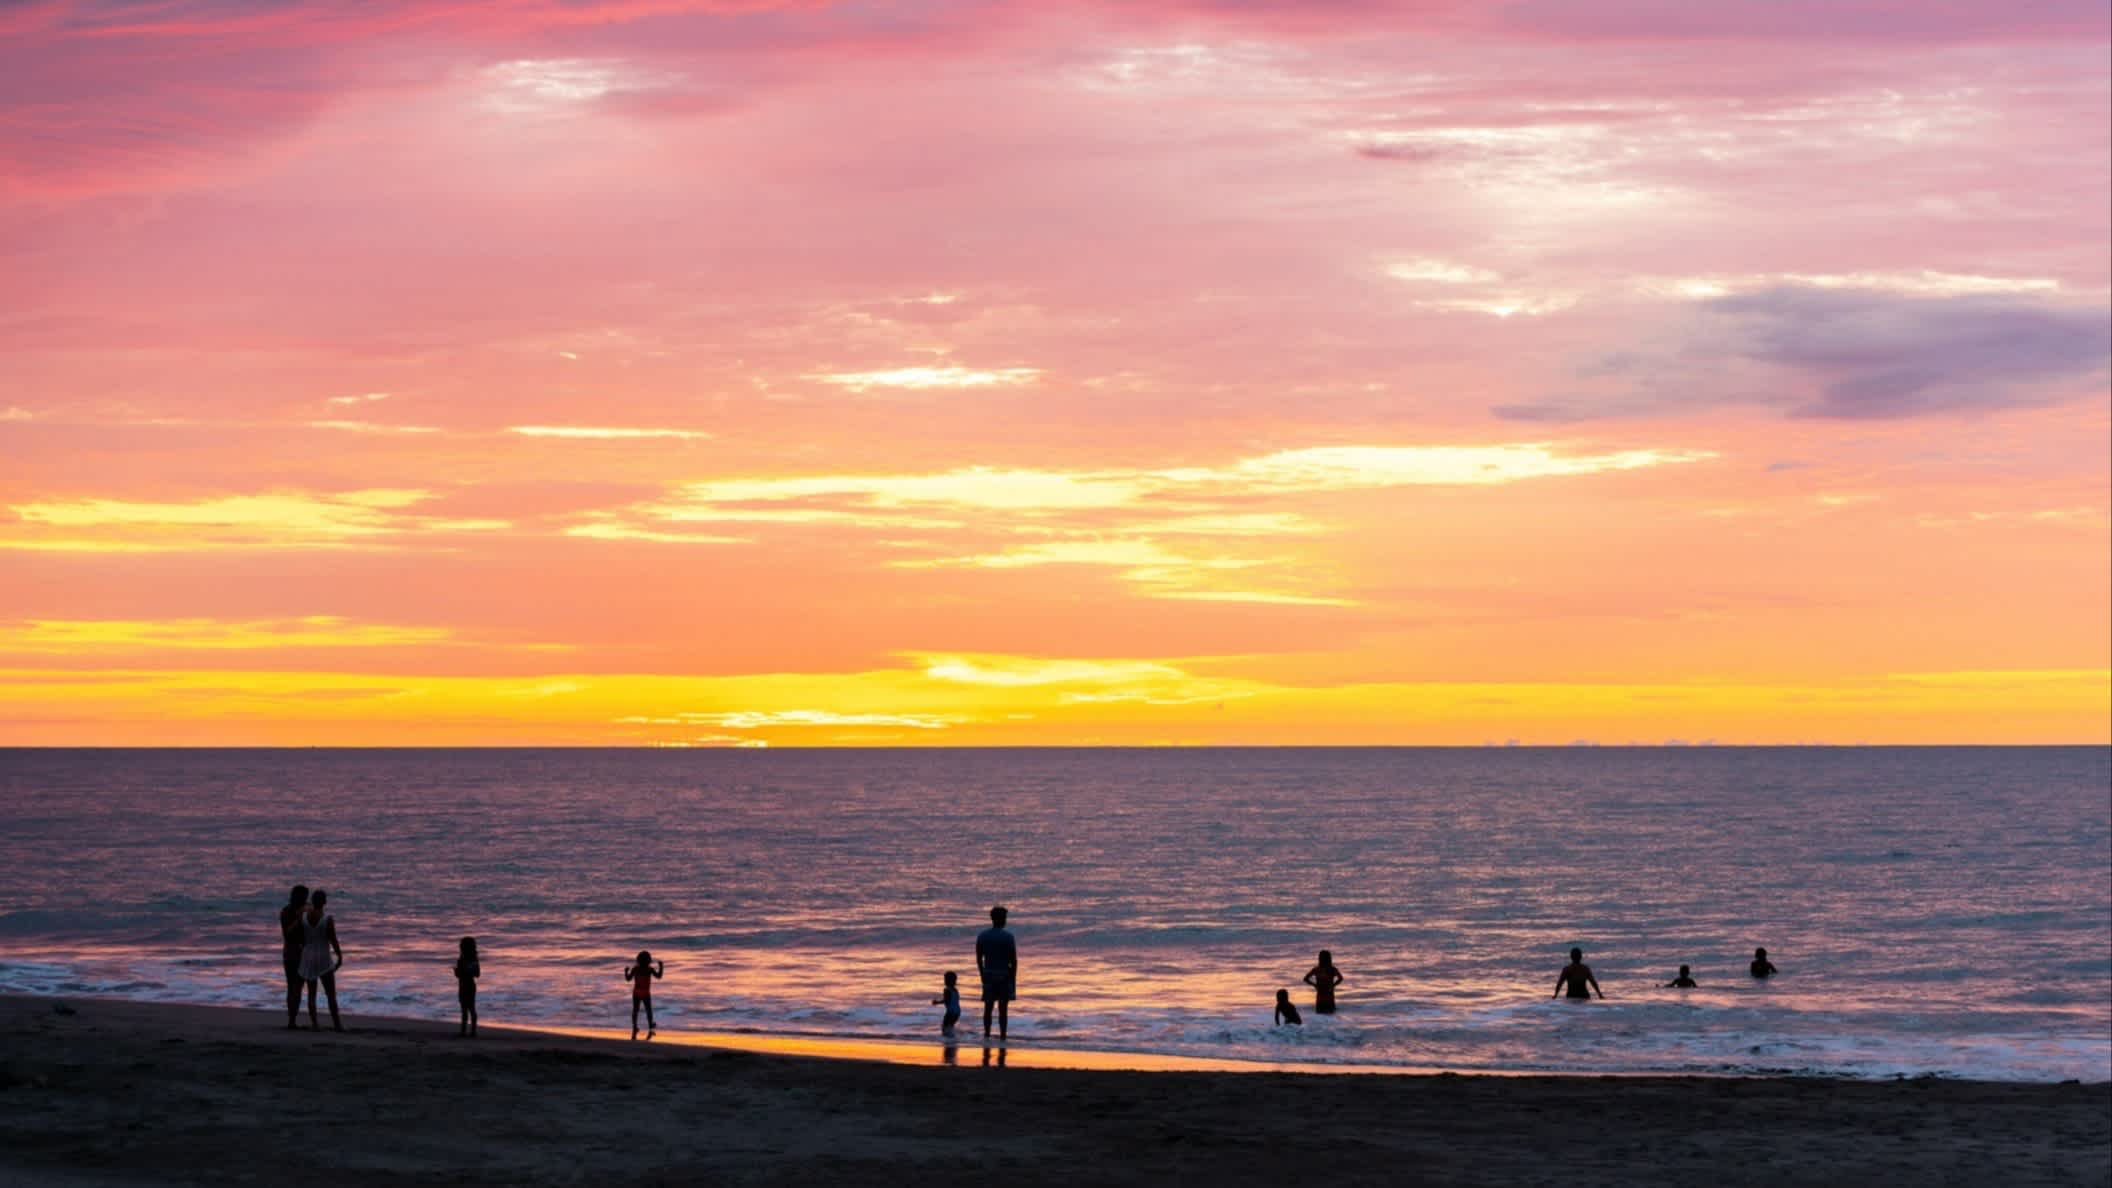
x=640 y=975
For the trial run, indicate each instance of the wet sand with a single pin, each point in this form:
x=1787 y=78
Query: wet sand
x=133 y=1094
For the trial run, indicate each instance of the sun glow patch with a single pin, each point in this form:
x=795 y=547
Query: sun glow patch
x=527 y=86
x=930 y=377
x=1020 y=671
x=1441 y=272
x=370 y=427
x=760 y=719
x=607 y=432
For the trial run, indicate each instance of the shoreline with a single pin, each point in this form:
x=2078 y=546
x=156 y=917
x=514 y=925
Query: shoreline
x=127 y=1093
x=1028 y=1052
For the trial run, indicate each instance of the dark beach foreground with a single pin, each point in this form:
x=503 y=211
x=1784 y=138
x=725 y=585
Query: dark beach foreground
x=130 y=1094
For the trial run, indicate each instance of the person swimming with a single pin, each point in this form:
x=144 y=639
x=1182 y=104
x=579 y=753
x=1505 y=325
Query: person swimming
x=1762 y=967
x=1575 y=977
x=1685 y=981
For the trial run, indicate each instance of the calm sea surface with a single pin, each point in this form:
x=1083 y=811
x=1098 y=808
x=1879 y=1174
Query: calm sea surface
x=1932 y=910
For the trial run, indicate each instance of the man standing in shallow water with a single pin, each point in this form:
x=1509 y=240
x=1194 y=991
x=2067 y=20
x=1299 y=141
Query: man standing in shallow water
x=1575 y=976
x=997 y=960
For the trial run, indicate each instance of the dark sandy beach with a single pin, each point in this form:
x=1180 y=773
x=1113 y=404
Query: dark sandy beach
x=127 y=1093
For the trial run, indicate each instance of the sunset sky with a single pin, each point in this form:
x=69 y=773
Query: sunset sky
x=1157 y=371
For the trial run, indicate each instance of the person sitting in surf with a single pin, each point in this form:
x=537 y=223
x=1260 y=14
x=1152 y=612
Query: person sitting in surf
x=1762 y=967
x=1685 y=980
x=1286 y=1012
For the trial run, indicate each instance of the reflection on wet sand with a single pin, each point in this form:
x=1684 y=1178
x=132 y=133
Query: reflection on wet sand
x=994 y=1055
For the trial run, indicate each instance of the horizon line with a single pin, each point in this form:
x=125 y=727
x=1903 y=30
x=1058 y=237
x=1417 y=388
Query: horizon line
x=1573 y=746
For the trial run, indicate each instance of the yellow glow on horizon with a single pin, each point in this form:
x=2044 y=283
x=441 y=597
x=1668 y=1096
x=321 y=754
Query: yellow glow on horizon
x=1006 y=701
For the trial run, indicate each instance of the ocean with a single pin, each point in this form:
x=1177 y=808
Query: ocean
x=1942 y=911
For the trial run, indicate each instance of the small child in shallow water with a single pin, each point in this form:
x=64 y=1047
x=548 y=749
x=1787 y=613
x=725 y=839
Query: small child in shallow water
x=1286 y=1012
x=952 y=999
x=1685 y=981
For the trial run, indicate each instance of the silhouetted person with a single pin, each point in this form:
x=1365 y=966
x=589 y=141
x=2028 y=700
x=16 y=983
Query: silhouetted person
x=997 y=960
x=1285 y=1012
x=321 y=956
x=1323 y=978
x=1576 y=976
x=1685 y=981
x=466 y=973
x=952 y=999
x=640 y=975
x=1762 y=967
x=290 y=951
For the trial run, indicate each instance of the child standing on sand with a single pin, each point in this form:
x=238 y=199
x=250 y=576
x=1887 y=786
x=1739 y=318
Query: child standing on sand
x=640 y=975
x=466 y=973
x=952 y=999
x=1285 y=1012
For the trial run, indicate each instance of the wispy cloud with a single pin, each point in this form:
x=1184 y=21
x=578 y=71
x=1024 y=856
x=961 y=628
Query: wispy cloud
x=75 y=636
x=1177 y=532
x=370 y=427
x=609 y=531
x=608 y=432
x=1451 y=287
x=1318 y=468
x=1336 y=468
x=773 y=719
x=1920 y=283
x=279 y=520
x=1082 y=682
x=1030 y=671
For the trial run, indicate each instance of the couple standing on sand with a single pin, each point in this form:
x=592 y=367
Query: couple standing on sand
x=311 y=954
